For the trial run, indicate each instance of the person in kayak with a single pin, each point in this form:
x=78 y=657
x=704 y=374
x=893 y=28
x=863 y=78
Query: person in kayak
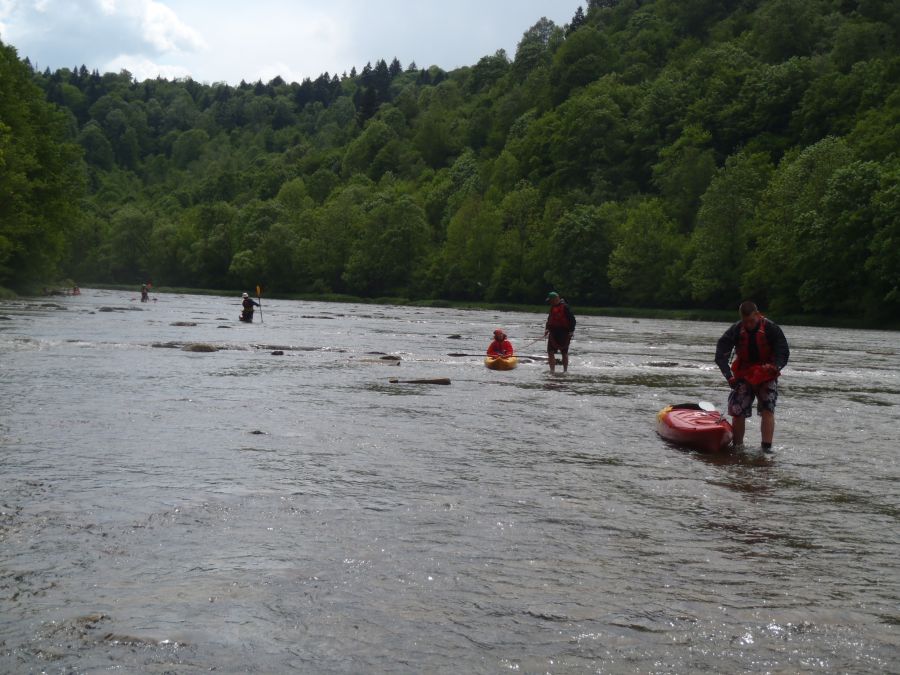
x=558 y=330
x=500 y=345
x=248 y=304
x=761 y=351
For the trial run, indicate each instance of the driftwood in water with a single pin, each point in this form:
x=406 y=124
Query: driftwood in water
x=437 y=380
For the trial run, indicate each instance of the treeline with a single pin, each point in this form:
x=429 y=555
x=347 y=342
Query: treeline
x=652 y=153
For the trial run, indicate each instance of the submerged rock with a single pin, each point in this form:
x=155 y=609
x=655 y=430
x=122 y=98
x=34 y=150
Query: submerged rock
x=199 y=347
x=278 y=352
x=183 y=323
x=167 y=345
x=390 y=357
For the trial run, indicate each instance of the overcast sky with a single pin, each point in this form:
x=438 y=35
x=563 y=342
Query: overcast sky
x=231 y=40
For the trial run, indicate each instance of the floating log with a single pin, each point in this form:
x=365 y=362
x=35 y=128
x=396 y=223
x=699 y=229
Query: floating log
x=437 y=380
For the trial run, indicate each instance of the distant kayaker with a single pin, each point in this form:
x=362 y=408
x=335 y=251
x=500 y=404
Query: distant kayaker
x=559 y=330
x=761 y=351
x=248 y=304
x=500 y=345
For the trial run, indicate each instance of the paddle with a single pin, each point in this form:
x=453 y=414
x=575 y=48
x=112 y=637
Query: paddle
x=259 y=298
x=437 y=380
x=534 y=342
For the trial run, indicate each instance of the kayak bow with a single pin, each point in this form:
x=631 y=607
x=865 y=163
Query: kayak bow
x=501 y=362
x=689 y=425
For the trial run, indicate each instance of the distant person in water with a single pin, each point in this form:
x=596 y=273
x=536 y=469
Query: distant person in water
x=500 y=345
x=558 y=330
x=145 y=293
x=76 y=290
x=761 y=351
x=248 y=306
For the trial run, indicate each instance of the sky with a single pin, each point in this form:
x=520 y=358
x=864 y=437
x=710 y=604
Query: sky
x=231 y=40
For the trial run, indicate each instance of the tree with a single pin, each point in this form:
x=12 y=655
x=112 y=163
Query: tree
x=533 y=50
x=582 y=244
x=97 y=150
x=720 y=242
x=393 y=240
x=584 y=57
x=40 y=178
x=577 y=21
x=785 y=228
x=683 y=174
x=785 y=28
x=488 y=71
x=644 y=265
x=469 y=256
x=884 y=261
x=131 y=230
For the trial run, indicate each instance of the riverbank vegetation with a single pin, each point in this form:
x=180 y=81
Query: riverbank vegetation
x=666 y=154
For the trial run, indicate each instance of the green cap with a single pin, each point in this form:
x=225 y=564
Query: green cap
x=551 y=295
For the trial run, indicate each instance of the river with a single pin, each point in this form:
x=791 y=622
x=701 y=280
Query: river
x=163 y=510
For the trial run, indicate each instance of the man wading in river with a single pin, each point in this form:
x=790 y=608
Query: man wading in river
x=559 y=330
x=761 y=352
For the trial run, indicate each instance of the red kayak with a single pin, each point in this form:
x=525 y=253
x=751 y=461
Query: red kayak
x=689 y=425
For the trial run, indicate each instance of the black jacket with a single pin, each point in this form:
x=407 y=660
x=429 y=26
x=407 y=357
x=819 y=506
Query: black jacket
x=729 y=340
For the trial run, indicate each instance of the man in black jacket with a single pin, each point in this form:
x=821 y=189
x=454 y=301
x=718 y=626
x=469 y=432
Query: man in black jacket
x=558 y=330
x=761 y=351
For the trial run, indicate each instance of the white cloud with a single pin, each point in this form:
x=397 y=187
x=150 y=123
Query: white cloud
x=142 y=68
x=165 y=31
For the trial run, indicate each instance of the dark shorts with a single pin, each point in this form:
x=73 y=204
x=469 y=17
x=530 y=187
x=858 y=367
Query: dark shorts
x=558 y=341
x=740 y=400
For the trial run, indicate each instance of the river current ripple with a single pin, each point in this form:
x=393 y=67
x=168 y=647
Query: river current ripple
x=239 y=511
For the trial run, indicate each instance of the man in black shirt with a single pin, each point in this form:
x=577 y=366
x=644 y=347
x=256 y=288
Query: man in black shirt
x=761 y=351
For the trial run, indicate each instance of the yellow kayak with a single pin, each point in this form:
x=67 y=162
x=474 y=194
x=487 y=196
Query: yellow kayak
x=501 y=362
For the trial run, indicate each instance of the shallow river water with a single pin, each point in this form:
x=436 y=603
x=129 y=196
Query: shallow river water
x=237 y=511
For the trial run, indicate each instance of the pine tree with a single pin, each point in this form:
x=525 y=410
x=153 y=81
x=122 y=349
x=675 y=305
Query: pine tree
x=577 y=21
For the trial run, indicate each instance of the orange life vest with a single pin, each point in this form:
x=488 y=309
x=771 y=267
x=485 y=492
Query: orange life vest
x=754 y=372
x=558 y=319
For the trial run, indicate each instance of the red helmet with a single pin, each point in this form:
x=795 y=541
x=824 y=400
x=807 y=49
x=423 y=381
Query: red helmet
x=499 y=334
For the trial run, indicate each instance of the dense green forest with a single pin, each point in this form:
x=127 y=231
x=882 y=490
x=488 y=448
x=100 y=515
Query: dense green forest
x=656 y=153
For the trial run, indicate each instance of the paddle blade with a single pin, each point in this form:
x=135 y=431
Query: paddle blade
x=707 y=406
x=258 y=291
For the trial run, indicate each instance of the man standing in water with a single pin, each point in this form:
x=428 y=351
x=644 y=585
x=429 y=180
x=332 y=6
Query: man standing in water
x=247 y=304
x=761 y=352
x=558 y=330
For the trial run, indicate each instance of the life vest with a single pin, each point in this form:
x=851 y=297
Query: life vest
x=504 y=348
x=557 y=320
x=754 y=372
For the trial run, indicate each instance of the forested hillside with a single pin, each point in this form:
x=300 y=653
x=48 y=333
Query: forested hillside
x=650 y=153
